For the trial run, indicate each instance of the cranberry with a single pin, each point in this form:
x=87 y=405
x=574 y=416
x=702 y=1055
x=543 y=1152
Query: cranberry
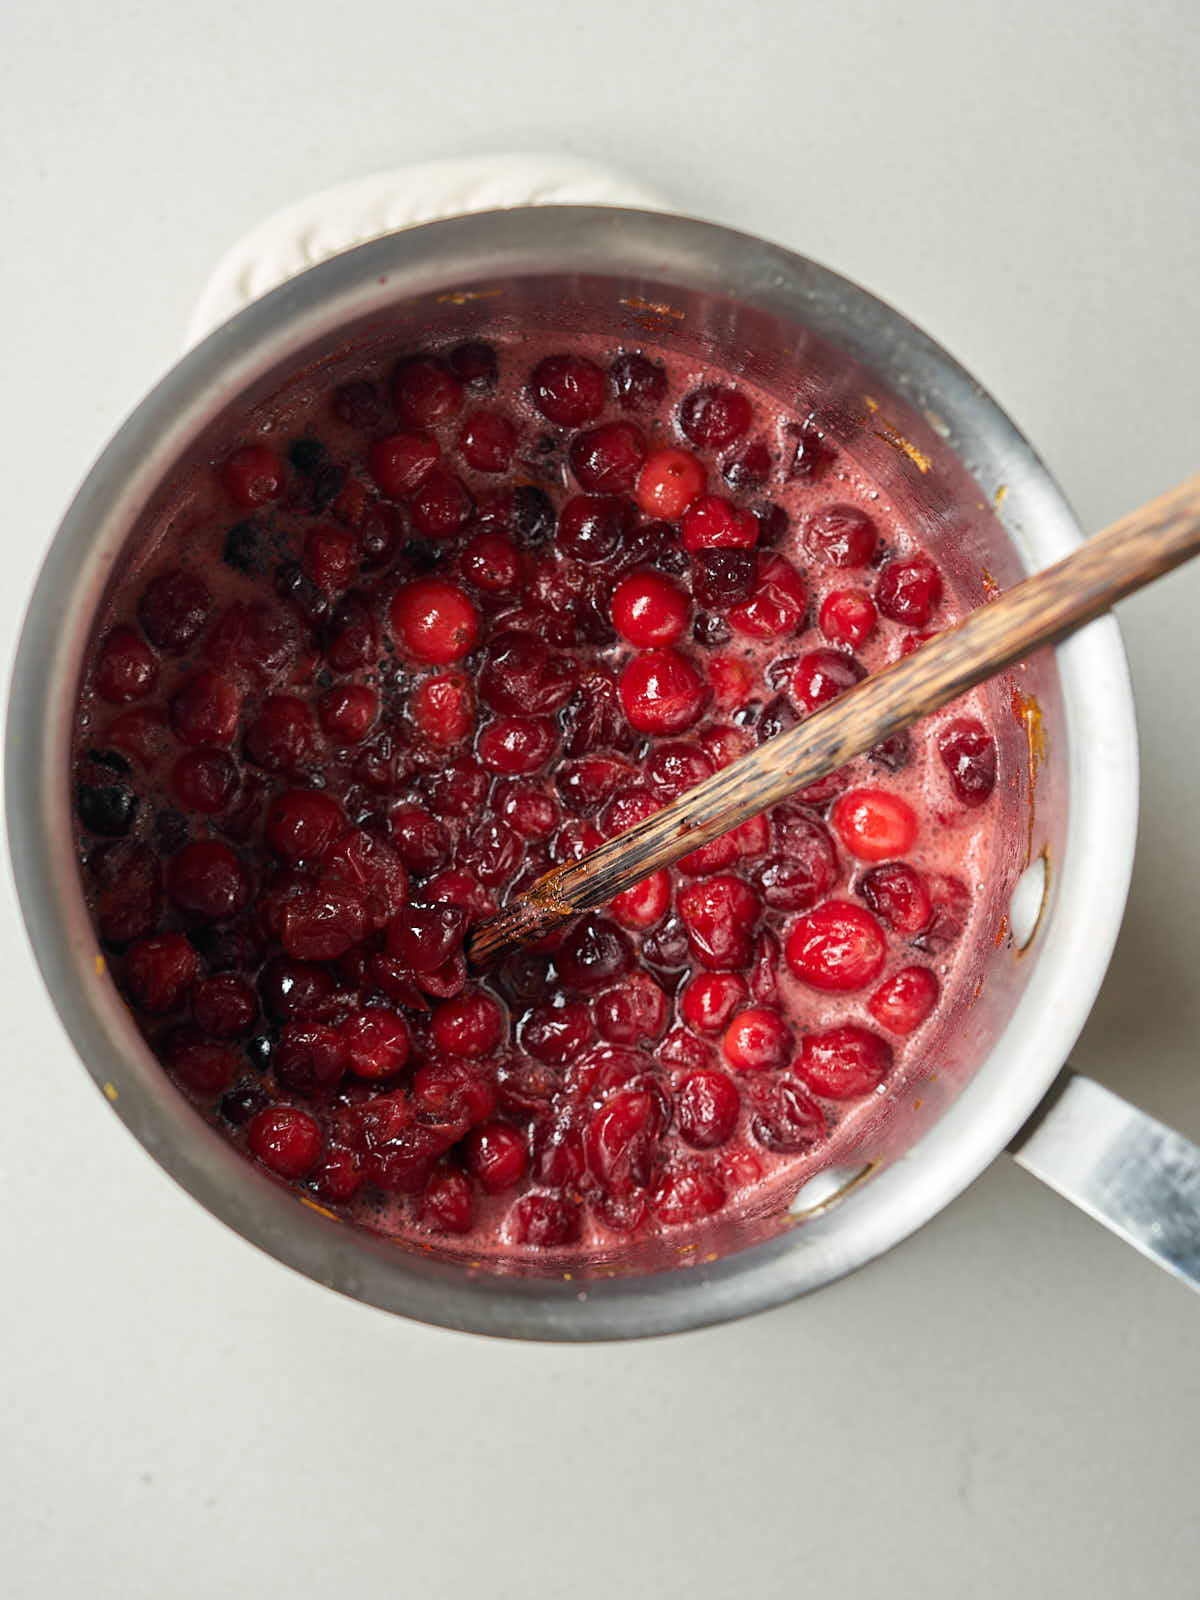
x=310 y=1058
x=402 y=462
x=424 y=937
x=723 y=577
x=784 y=1118
x=425 y=391
x=375 y=1041
x=687 y=1193
x=204 y=781
x=649 y=610
x=487 y=441
x=528 y=809
x=302 y=824
x=517 y=744
x=821 y=675
x=902 y=1002
x=591 y=526
x=873 y=824
x=898 y=896
x=587 y=783
x=330 y=558
x=838 y=946
x=521 y=676
x=490 y=561
x=710 y=1000
x=635 y=1012
x=593 y=954
x=749 y=470
x=909 y=591
x=433 y=621
x=204 y=1065
x=173 y=610
x=713 y=523
x=470 y=1025
x=281 y=738
x=669 y=482
x=848 y=617
x=951 y=901
x=711 y=857
x=338 y=1177
x=285 y=1139
x=128 y=890
x=556 y=1033
x=714 y=415
x=844 y=1062
x=968 y=753
x=462 y=887
x=160 y=971
x=621 y=1141
x=207 y=881
x=778 y=604
x=495 y=1154
x=757 y=1040
x=252 y=476
x=639 y=383
x=661 y=692
x=443 y=709
x=358 y=405
x=125 y=668
x=811 y=452
x=448 y=1203
x=252 y=643
x=569 y=390
x=451 y=1093
x=594 y=718
x=706 y=1109
x=607 y=459
x=841 y=535
x=441 y=505
x=645 y=904
x=557 y=1150
x=419 y=839
x=719 y=915
x=804 y=871
x=242 y=1103
x=474 y=364
x=732 y=681
x=546 y=1221
x=224 y=1006
x=458 y=789
x=322 y=922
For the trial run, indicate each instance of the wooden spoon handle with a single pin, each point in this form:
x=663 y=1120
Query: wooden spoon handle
x=1037 y=611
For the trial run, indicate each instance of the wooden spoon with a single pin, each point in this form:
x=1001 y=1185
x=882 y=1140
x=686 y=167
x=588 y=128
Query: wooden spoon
x=1038 y=611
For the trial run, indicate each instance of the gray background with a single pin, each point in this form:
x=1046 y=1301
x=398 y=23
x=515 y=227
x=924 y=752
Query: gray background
x=1008 y=1403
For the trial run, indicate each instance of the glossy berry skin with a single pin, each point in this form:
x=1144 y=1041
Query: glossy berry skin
x=496 y=1156
x=401 y=462
x=252 y=476
x=285 y=1139
x=425 y=391
x=714 y=523
x=837 y=947
x=757 y=1040
x=650 y=610
x=848 y=617
x=874 y=825
x=668 y=483
x=968 y=752
x=568 y=389
x=608 y=459
x=448 y=1204
x=902 y=1002
x=706 y=1109
x=714 y=415
x=433 y=621
x=661 y=692
x=711 y=999
x=125 y=668
x=841 y=536
x=487 y=441
x=909 y=591
x=898 y=896
x=844 y=1062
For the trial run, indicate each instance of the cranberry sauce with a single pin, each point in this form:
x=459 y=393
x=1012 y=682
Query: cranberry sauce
x=412 y=641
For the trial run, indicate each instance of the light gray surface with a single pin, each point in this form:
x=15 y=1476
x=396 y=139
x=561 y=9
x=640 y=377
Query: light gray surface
x=1007 y=1404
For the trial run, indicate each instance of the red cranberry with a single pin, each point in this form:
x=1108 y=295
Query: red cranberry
x=661 y=692
x=425 y=391
x=706 y=1109
x=461 y=887
x=419 y=839
x=474 y=364
x=909 y=591
x=968 y=753
x=803 y=871
x=546 y=1221
x=433 y=621
x=714 y=856
x=639 y=384
x=297 y=990
x=375 y=1041
x=732 y=681
x=203 y=1064
x=749 y=470
x=125 y=668
x=443 y=709
x=204 y=781
x=645 y=904
x=286 y=1140
x=764 y=981
x=569 y=390
x=757 y=1041
x=128 y=890
x=252 y=643
x=784 y=1118
x=522 y=677
x=310 y=1058
x=841 y=535
x=951 y=901
x=714 y=415
x=873 y=824
x=838 y=946
x=470 y=1025
x=424 y=937
x=441 y=505
x=402 y=462
x=844 y=1062
x=593 y=954
x=557 y=1150
x=159 y=972
x=898 y=896
x=556 y=1034
x=490 y=561
x=811 y=452
x=207 y=881
x=448 y=1203
x=368 y=866
x=607 y=459
x=252 y=476
x=487 y=441
x=173 y=610
x=528 y=809
x=719 y=915
x=902 y=1002
x=458 y=789
x=713 y=523
x=495 y=1154
x=586 y=784
x=517 y=744
x=330 y=558
x=302 y=824
x=649 y=610
x=281 y=738
x=821 y=675
x=848 y=617
x=778 y=604
x=338 y=1177
x=687 y=1194
x=224 y=1006
x=452 y=1094
x=621 y=1141
x=635 y=1012
x=709 y=1001
x=675 y=767
x=669 y=482
x=724 y=577
x=591 y=526
x=322 y=922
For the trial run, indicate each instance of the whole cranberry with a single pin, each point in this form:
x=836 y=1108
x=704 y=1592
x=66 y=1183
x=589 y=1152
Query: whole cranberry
x=638 y=382
x=425 y=391
x=207 y=881
x=902 y=1002
x=433 y=621
x=968 y=753
x=568 y=389
x=909 y=591
x=125 y=669
x=714 y=415
x=159 y=972
x=714 y=523
x=448 y=1203
x=285 y=1139
x=719 y=915
x=252 y=476
x=607 y=459
x=649 y=610
x=173 y=610
x=592 y=526
x=661 y=692
x=844 y=1062
x=402 y=462
x=838 y=946
x=669 y=481
x=821 y=675
x=496 y=1155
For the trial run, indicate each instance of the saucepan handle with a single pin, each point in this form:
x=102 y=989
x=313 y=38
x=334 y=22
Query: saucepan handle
x=1133 y=1174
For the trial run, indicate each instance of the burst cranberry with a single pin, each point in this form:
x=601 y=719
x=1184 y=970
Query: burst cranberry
x=784 y=1117
x=951 y=901
x=593 y=954
x=420 y=840
x=433 y=621
x=841 y=535
x=669 y=482
x=425 y=391
x=607 y=459
x=873 y=824
x=592 y=526
x=367 y=865
x=714 y=415
x=252 y=476
x=285 y=1139
x=160 y=971
x=710 y=1000
x=821 y=675
x=207 y=881
x=375 y=1041
x=687 y=1193
x=638 y=383
x=330 y=558
x=635 y=1012
x=556 y=1034
x=713 y=523
x=401 y=463
x=848 y=617
x=719 y=915
x=424 y=937
x=443 y=709
x=778 y=604
x=322 y=922
x=661 y=692
x=487 y=441
x=441 y=505
x=173 y=610
x=968 y=753
x=310 y=1058
x=587 y=783
x=281 y=738
x=546 y=1221
x=569 y=390
x=451 y=1093
x=448 y=1203
x=724 y=578
x=495 y=1154
x=521 y=676
x=898 y=896
x=757 y=1041
x=125 y=668
x=844 y=1062
x=469 y=1025
x=803 y=871
x=204 y=1064
x=458 y=789
x=838 y=946
x=302 y=824
x=649 y=610
x=204 y=781
x=909 y=591
x=902 y=1002
x=224 y=1006
x=490 y=561
x=621 y=1141
x=706 y=1109
x=517 y=744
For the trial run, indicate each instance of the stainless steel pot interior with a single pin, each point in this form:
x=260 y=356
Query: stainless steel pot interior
x=946 y=456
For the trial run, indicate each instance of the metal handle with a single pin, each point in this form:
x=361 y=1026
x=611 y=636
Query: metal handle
x=1138 y=1177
